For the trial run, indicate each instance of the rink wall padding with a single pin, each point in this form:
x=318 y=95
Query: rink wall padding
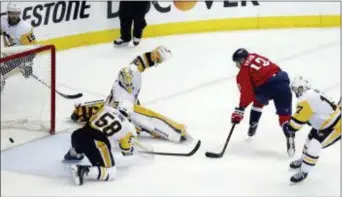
x=106 y=36
x=70 y=24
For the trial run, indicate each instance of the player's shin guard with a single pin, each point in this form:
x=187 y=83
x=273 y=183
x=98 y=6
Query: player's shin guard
x=311 y=156
x=296 y=164
x=290 y=144
x=311 y=147
x=254 y=120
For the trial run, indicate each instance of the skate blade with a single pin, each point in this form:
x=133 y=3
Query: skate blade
x=123 y=45
x=71 y=161
x=294 y=184
x=249 y=138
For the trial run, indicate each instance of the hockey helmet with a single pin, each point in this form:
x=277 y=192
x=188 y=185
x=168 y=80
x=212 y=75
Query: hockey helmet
x=13 y=7
x=240 y=54
x=299 y=85
x=125 y=107
x=13 y=13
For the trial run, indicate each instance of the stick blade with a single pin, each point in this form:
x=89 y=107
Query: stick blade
x=71 y=96
x=195 y=148
x=212 y=155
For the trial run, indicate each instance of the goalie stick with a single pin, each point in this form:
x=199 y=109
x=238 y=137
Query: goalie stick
x=67 y=96
x=189 y=154
x=219 y=155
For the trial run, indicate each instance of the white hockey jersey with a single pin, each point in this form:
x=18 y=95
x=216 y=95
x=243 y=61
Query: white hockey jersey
x=19 y=34
x=118 y=93
x=315 y=108
x=116 y=127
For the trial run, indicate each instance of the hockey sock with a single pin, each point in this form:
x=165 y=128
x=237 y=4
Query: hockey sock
x=305 y=148
x=311 y=156
x=255 y=115
x=101 y=173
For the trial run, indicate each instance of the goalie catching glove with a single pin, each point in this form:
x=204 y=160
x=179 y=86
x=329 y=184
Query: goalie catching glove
x=83 y=112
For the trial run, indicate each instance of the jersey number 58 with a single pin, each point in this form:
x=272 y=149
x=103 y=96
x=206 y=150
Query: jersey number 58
x=108 y=125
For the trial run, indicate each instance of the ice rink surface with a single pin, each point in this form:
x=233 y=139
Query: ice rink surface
x=196 y=87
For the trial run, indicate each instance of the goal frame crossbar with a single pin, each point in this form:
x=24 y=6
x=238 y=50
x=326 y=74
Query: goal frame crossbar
x=40 y=49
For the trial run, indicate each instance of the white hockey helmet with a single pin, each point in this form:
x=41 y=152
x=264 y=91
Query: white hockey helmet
x=13 y=7
x=299 y=85
x=162 y=54
x=125 y=107
x=126 y=79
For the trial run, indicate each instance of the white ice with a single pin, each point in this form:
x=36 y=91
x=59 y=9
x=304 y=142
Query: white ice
x=197 y=87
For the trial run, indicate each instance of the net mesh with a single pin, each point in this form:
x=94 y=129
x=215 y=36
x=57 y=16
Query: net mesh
x=26 y=103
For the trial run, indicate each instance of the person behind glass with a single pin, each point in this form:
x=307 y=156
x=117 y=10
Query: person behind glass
x=132 y=12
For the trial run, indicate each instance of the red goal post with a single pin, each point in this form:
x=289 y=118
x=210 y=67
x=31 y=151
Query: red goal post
x=29 y=105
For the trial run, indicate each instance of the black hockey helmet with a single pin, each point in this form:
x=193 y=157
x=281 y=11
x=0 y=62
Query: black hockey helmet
x=240 y=54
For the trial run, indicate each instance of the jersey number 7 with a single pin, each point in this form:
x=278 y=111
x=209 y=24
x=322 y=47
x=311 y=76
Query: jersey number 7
x=261 y=63
x=108 y=125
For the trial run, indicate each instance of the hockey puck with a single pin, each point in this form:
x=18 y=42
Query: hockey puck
x=11 y=140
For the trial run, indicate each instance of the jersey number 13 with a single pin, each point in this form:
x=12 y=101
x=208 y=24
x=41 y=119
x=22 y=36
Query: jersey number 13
x=261 y=63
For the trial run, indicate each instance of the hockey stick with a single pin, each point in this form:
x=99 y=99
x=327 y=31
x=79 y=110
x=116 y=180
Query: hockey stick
x=219 y=155
x=189 y=154
x=67 y=96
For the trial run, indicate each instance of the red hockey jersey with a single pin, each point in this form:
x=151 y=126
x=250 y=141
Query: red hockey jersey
x=254 y=72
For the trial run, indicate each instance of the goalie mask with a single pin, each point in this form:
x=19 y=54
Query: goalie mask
x=299 y=85
x=126 y=79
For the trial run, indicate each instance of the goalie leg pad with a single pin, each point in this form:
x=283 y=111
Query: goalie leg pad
x=158 y=124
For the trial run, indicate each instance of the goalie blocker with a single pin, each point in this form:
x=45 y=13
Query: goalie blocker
x=144 y=119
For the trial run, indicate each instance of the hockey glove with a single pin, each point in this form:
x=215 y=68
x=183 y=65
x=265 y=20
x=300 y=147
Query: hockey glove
x=128 y=152
x=237 y=116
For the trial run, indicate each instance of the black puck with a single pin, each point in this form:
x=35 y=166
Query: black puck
x=11 y=140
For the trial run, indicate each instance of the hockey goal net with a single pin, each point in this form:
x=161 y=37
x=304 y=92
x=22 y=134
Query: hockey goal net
x=28 y=88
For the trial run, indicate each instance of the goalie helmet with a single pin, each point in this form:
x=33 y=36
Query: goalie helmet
x=126 y=79
x=125 y=108
x=299 y=85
